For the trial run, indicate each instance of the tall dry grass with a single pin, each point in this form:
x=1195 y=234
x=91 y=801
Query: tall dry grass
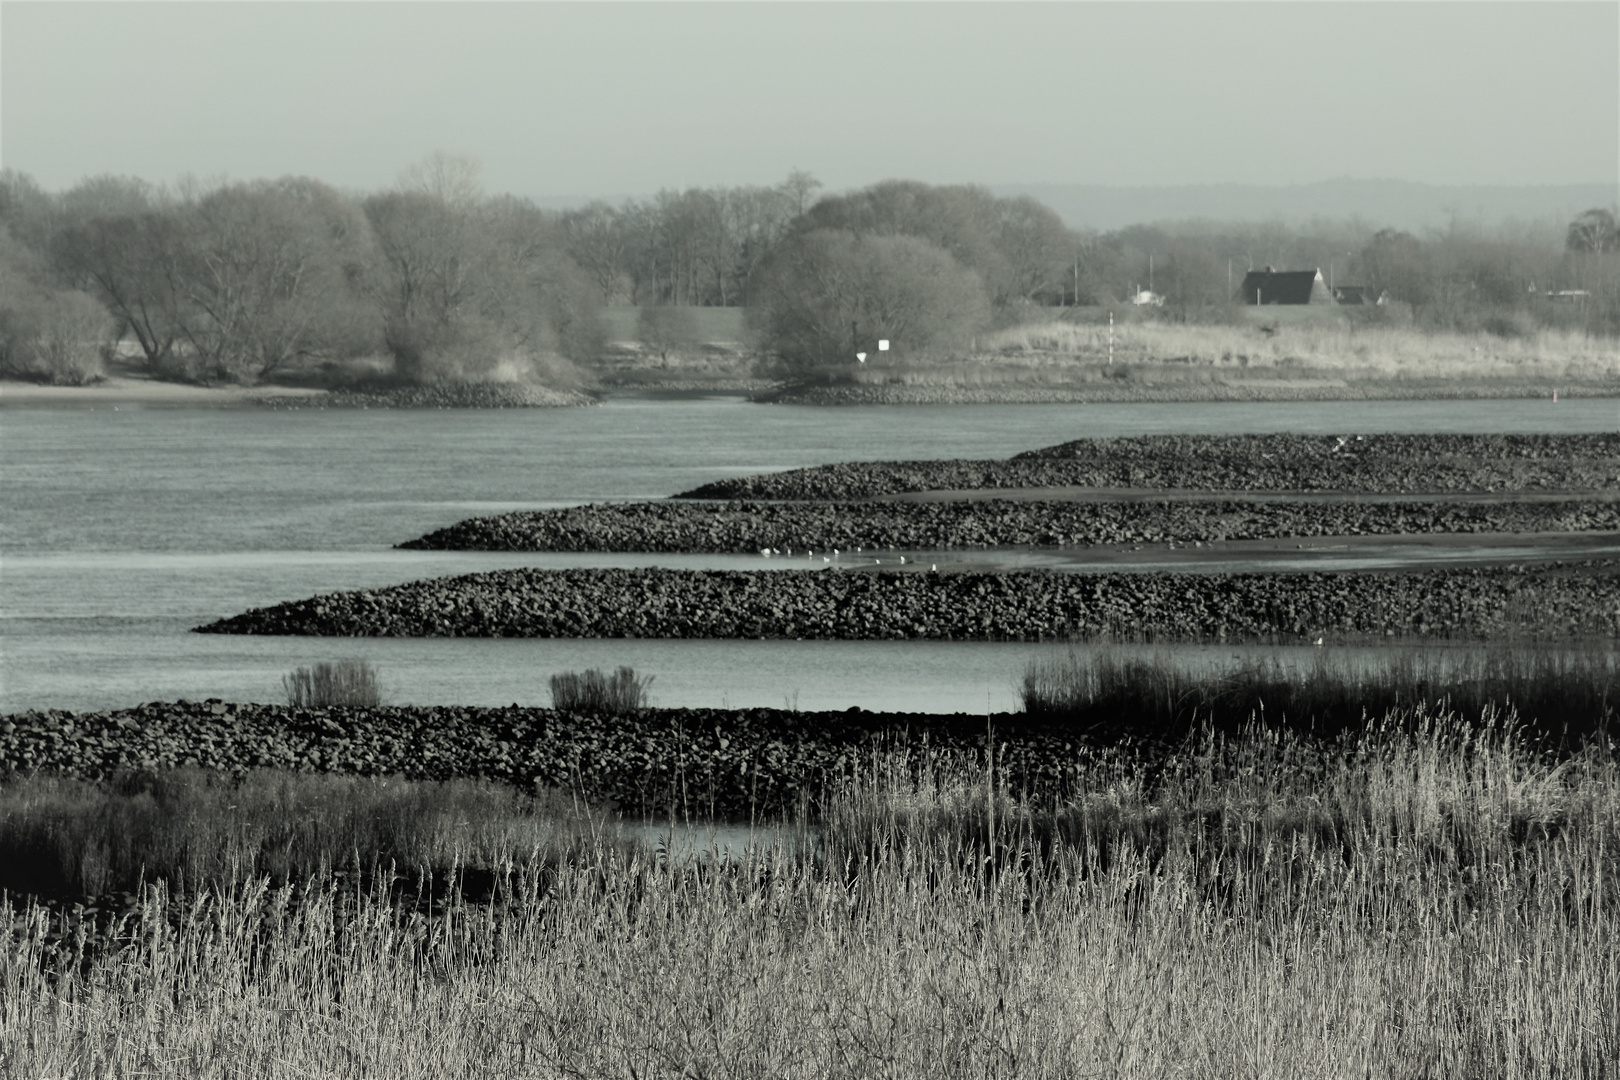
x=345 y=682
x=595 y=691
x=1434 y=900
x=1571 y=691
x=196 y=830
x=1332 y=349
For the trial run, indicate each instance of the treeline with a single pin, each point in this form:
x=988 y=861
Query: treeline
x=238 y=282
x=1464 y=277
x=435 y=280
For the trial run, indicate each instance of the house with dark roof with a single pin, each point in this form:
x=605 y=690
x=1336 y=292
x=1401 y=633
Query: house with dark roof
x=1270 y=286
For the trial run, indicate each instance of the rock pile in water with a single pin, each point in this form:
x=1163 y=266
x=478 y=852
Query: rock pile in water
x=648 y=762
x=1369 y=464
x=748 y=527
x=1575 y=598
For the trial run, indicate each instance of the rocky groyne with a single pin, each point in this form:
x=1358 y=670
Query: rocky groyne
x=653 y=761
x=748 y=527
x=1556 y=599
x=1371 y=464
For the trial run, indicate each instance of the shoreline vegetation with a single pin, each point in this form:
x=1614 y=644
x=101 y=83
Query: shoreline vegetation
x=1039 y=363
x=1260 y=355
x=603 y=742
x=1423 y=887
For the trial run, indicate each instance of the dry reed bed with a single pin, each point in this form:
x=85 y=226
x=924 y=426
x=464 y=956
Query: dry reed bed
x=1282 y=462
x=1432 y=900
x=1345 y=348
x=1280 y=361
x=807 y=529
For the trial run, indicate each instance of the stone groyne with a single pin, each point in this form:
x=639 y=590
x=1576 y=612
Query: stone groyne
x=1370 y=464
x=1579 y=598
x=799 y=528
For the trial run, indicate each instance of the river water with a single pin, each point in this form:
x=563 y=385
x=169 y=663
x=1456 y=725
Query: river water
x=120 y=530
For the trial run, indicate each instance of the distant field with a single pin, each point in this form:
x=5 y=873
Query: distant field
x=717 y=324
x=713 y=323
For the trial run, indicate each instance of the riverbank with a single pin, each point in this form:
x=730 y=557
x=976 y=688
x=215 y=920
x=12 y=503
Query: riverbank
x=1369 y=464
x=1556 y=599
x=124 y=391
x=441 y=396
x=135 y=393
x=844 y=531
x=1144 y=387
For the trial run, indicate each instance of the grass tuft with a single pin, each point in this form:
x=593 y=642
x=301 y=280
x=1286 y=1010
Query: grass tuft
x=593 y=691
x=349 y=683
x=1101 y=691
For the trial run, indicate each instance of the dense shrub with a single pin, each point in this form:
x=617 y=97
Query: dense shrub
x=828 y=295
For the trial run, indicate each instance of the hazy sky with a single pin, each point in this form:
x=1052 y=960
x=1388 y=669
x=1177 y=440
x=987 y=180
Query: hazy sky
x=627 y=98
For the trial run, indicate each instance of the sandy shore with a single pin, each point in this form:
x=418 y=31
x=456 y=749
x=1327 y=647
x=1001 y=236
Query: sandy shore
x=126 y=391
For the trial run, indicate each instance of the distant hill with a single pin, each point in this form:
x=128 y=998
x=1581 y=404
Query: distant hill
x=1383 y=203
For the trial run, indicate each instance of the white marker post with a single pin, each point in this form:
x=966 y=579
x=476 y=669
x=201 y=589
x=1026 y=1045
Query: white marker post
x=1110 y=339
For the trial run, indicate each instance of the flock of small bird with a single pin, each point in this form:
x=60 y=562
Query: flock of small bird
x=768 y=552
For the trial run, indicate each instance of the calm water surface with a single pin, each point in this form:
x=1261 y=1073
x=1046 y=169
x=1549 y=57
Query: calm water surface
x=119 y=530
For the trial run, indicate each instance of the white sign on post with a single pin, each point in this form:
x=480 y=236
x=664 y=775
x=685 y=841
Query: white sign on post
x=883 y=346
x=861 y=357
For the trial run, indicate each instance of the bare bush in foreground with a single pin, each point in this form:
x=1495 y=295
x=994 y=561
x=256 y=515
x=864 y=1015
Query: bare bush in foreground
x=344 y=683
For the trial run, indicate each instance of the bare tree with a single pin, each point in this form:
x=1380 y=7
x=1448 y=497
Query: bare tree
x=45 y=332
x=664 y=328
x=1036 y=246
x=798 y=187
x=454 y=179
x=597 y=239
x=1593 y=231
x=265 y=270
x=828 y=295
x=132 y=264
